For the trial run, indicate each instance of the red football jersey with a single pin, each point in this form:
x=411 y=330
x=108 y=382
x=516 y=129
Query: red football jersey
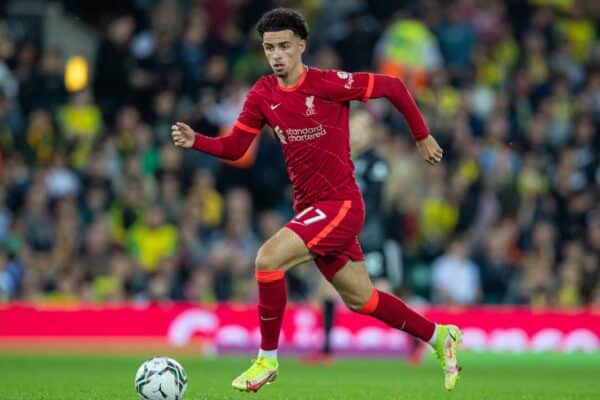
x=311 y=122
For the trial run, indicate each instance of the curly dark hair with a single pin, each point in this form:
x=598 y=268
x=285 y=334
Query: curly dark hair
x=280 y=19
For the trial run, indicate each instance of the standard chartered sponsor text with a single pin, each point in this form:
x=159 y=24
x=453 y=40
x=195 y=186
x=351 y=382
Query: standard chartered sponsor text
x=302 y=134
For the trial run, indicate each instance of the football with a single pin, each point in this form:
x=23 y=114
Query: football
x=161 y=378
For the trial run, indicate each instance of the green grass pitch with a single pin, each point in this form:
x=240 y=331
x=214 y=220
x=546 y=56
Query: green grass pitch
x=485 y=376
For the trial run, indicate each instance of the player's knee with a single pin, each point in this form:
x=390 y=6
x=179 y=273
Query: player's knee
x=356 y=307
x=265 y=260
x=355 y=302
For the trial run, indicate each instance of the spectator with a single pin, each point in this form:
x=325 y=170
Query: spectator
x=204 y=196
x=80 y=121
x=11 y=271
x=455 y=279
x=111 y=83
x=232 y=250
x=408 y=50
x=456 y=38
x=152 y=240
x=46 y=89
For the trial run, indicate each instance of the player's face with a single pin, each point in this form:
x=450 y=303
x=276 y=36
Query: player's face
x=283 y=50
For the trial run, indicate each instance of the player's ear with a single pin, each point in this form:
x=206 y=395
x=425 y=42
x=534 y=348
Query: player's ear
x=302 y=45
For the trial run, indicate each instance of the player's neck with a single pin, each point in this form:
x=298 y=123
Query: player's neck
x=293 y=77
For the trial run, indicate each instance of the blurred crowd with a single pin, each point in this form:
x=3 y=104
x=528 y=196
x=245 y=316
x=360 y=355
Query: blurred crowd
x=96 y=204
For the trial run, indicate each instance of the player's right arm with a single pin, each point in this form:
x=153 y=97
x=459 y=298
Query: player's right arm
x=230 y=147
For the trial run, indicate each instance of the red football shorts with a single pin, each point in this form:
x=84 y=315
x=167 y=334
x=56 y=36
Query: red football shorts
x=330 y=231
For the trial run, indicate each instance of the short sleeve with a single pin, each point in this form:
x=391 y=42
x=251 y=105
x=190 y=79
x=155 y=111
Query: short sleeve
x=345 y=86
x=251 y=118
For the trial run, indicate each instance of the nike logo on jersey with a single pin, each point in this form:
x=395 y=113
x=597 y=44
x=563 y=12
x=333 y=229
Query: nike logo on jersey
x=274 y=106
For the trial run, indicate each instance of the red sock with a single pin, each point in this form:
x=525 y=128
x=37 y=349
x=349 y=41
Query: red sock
x=397 y=314
x=272 y=297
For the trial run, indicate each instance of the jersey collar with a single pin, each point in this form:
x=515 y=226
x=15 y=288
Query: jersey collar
x=297 y=85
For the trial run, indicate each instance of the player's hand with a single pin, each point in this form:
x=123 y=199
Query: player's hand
x=430 y=150
x=183 y=135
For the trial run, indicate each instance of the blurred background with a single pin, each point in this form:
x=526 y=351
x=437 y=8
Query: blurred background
x=97 y=205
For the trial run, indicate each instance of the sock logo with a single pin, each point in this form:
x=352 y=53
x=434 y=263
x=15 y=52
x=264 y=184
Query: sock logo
x=267 y=319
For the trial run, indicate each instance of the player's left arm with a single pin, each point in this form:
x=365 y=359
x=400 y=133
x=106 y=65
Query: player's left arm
x=346 y=86
x=396 y=92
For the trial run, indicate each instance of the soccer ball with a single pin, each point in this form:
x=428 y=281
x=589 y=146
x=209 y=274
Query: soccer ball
x=161 y=378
